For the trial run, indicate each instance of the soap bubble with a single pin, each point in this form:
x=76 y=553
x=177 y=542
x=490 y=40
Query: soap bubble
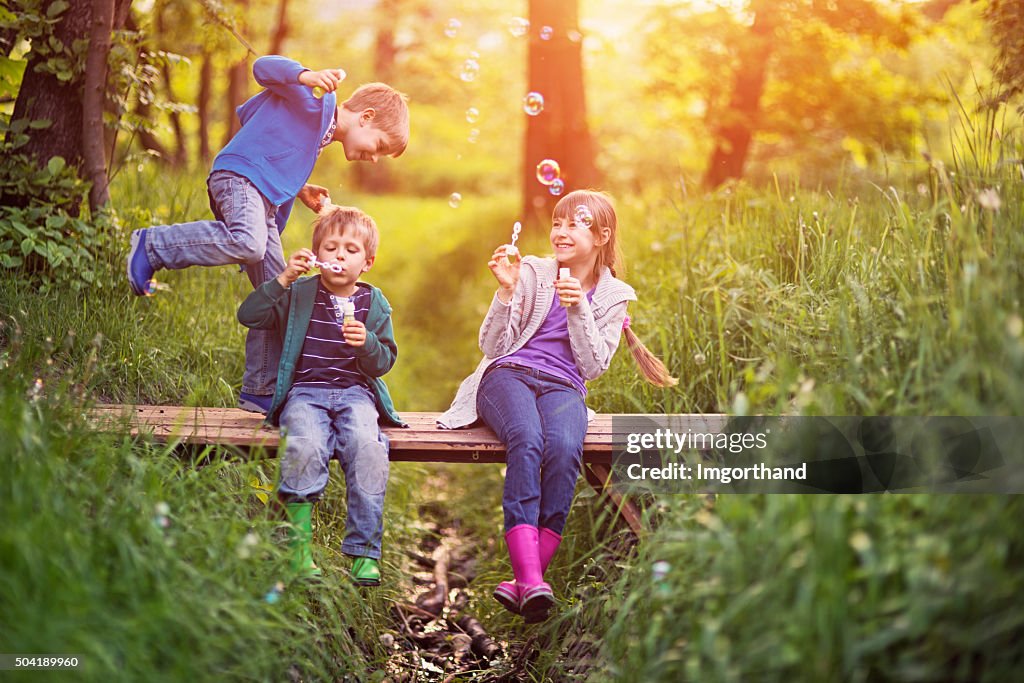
x=582 y=216
x=546 y=32
x=451 y=29
x=454 y=200
x=470 y=70
x=474 y=135
x=548 y=171
x=472 y=114
x=557 y=187
x=574 y=36
x=660 y=569
x=533 y=103
x=518 y=26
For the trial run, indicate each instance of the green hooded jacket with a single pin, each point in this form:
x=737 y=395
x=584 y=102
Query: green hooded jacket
x=272 y=307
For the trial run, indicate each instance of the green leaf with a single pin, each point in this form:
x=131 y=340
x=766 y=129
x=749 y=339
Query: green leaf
x=9 y=261
x=58 y=220
x=56 y=8
x=55 y=165
x=26 y=246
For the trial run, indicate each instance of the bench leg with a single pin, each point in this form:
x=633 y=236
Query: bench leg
x=598 y=476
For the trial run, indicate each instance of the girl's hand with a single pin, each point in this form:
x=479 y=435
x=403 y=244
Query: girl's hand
x=298 y=264
x=314 y=196
x=327 y=79
x=505 y=272
x=569 y=290
x=354 y=332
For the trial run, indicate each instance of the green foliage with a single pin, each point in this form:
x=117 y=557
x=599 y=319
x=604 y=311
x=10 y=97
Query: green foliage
x=44 y=243
x=1007 y=20
x=842 y=588
x=34 y=20
x=150 y=566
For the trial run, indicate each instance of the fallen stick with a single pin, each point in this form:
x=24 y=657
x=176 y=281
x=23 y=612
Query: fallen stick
x=483 y=645
x=434 y=600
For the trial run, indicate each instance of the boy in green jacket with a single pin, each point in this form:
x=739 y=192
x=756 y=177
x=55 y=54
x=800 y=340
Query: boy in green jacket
x=337 y=343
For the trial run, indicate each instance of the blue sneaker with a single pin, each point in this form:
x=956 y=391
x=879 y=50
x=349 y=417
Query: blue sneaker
x=140 y=272
x=255 y=403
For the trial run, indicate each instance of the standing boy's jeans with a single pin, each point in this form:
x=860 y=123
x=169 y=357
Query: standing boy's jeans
x=542 y=421
x=320 y=423
x=245 y=232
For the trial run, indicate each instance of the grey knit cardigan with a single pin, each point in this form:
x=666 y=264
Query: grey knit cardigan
x=594 y=329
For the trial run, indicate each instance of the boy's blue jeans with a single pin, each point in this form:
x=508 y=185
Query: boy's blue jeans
x=321 y=423
x=542 y=421
x=245 y=233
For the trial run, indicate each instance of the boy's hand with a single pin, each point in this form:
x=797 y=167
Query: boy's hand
x=327 y=79
x=569 y=290
x=505 y=272
x=354 y=332
x=298 y=264
x=314 y=196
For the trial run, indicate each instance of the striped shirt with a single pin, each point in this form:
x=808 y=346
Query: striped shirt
x=326 y=359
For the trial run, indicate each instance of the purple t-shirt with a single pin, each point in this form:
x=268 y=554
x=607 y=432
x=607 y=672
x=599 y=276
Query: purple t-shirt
x=548 y=350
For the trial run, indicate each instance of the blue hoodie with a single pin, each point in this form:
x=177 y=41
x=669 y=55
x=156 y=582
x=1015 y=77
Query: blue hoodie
x=279 y=141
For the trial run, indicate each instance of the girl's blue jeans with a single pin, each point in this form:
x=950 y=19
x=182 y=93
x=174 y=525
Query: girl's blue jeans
x=321 y=423
x=542 y=421
x=244 y=232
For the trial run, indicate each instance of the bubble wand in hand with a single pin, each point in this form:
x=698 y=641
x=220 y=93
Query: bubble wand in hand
x=512 y=251
x=333 y=267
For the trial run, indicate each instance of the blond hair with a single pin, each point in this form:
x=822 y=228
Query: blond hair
x=392 y=112
x=600 y=206
x=338 y=219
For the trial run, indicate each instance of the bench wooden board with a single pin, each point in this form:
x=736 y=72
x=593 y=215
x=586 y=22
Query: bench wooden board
x=422 y=441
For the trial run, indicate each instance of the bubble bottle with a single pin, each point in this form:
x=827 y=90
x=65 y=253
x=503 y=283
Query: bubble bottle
x=563 y=274
x=318 y=92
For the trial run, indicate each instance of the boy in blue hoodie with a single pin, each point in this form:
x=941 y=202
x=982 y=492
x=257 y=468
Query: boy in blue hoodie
x=255 y=180
x=329 y=395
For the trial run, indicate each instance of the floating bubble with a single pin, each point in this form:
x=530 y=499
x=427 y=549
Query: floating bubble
x=470 y=70
x=533 y=103
x=152 y=287
x=574 y=36
x=660 y=569
x=518 y=26
x=472 y=114
x=451 y=29
x=454 y=200
x=162 y=509
x=582 y=216
x=548 y=171
x=473 y=54
x=546 y=32
x=35 y=390
x=557 y=187
x=274 y=594
x=474 y=135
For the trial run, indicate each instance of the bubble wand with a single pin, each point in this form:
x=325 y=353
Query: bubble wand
x=512 y=251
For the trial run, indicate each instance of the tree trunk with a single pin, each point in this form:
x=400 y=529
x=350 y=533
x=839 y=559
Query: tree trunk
x=238 y=78
x=376 y=178
x=43 y=96
x=737 y=124
x=146 y=137
x=203 y=106
x=94 y=155
x=281 y=30
x=559 y=132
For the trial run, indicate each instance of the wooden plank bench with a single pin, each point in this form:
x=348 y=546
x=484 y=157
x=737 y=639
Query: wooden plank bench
x=421 y=442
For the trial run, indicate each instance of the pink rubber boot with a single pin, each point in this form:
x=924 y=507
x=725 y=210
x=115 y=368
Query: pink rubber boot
x=507 y=592
x=535 y=597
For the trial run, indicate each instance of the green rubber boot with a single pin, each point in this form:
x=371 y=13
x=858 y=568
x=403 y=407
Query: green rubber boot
x=366 y=571
x=301 y=517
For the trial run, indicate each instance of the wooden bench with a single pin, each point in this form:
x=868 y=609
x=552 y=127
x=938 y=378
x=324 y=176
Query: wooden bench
x=421 y=442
